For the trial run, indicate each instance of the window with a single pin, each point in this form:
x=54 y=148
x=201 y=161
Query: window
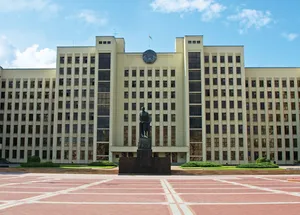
x=194 y=60
x=104 y=60
x=104 y=75
x=194 y=75
x=195 y=86
x=195 y=98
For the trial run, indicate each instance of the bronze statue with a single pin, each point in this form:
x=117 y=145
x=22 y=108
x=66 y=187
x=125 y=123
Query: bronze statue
x=145 y=121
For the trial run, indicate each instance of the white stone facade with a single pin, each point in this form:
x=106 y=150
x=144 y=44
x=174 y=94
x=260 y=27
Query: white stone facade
x=204 y=103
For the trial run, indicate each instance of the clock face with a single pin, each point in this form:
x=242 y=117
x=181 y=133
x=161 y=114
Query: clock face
x=149 y=56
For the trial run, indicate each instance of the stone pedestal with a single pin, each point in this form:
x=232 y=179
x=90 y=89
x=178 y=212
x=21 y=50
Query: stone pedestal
x=144 y=163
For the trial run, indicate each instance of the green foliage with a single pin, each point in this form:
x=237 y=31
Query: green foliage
x=258 y=165
x=102 y=163
x=36 y=164
x=34 y=159
x=263 y=160
x=200 y=164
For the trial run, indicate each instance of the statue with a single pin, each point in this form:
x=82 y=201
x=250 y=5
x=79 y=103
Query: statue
x=145 y=121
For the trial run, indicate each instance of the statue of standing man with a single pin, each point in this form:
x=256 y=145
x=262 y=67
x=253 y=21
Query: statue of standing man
x=145 y=121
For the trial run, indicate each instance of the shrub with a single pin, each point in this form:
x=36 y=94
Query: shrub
x=258 y=165
x=44 y=164
x=200 y=164
x=102 y=163
x=263 y=160
x=34 y=159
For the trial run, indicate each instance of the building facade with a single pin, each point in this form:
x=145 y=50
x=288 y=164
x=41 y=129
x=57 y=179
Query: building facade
x=204 y=104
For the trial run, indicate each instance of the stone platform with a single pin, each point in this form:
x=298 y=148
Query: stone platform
x=144 y=163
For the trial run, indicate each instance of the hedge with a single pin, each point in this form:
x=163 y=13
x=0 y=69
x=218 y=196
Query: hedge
x=34 y=159
x=102 y=163
x=262 y=160
x=258 y=165
x=44 y=164
x=200 y=164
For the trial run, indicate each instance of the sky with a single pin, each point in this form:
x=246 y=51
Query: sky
x=30 y=30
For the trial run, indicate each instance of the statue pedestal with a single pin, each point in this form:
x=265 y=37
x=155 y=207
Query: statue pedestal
x=144 y=152
x=144 y=163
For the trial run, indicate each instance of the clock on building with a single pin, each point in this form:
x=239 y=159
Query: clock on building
x=149 y=56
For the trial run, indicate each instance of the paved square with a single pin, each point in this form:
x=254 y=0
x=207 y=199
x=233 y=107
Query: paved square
x=33 y=194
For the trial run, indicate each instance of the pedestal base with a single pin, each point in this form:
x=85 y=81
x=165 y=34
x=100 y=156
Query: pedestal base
x=144 y=163
x=158 y=166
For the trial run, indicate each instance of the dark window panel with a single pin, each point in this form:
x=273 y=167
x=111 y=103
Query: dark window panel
x=104 y=60
x=195 y=86
x=104 y=75
x=194 y=60
x=195 y=110
x=103 y=122
x=195 y=75
x=195 y=122
x=102 y=135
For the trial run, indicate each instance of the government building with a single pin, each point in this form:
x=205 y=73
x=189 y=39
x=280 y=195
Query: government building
x=204 y=104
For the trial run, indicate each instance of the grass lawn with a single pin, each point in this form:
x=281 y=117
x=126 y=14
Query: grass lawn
x=228 y=168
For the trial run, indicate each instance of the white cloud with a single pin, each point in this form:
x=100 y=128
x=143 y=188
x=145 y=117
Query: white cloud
x=249 y=18
x=28 y=5
x=290 y=36
x=209 y=8
x=91 y=17
x=31 y=57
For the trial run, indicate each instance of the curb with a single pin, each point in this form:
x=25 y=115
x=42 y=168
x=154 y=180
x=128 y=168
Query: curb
x=115 y=171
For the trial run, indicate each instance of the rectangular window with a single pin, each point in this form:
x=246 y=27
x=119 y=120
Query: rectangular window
x=104 y=75
x=194 y=60
x=104 y=60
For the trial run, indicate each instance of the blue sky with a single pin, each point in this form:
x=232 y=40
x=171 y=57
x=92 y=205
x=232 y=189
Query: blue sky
x=32 y=29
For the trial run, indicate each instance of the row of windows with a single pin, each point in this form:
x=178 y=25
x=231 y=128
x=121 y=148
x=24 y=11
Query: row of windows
x=32 y=95
x=157 y=84
x=77 y=70
x=214 y=59
x=157 y=95
x=157 y=106
x=32 y=84
x=263 y=117
x=261 y=83
x=221 y=104
x=223 y=81
x=75 y=128
x=75 y=92
x=133 y=72
x=76 y=59
x=223 y=92
x=256 y=155
x=24 y=106
x=215 y=129
x=255 y=143
x=165 y=118
x=48 y=154
x=39 y=142
x=16 y=128
x=261 y=94
x=222 y=70
x=262 y=130
x=194 y=41
x=104 y=42
x=278 y=106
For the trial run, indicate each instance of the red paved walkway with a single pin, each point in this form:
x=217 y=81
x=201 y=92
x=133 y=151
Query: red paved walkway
x=36 y=194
